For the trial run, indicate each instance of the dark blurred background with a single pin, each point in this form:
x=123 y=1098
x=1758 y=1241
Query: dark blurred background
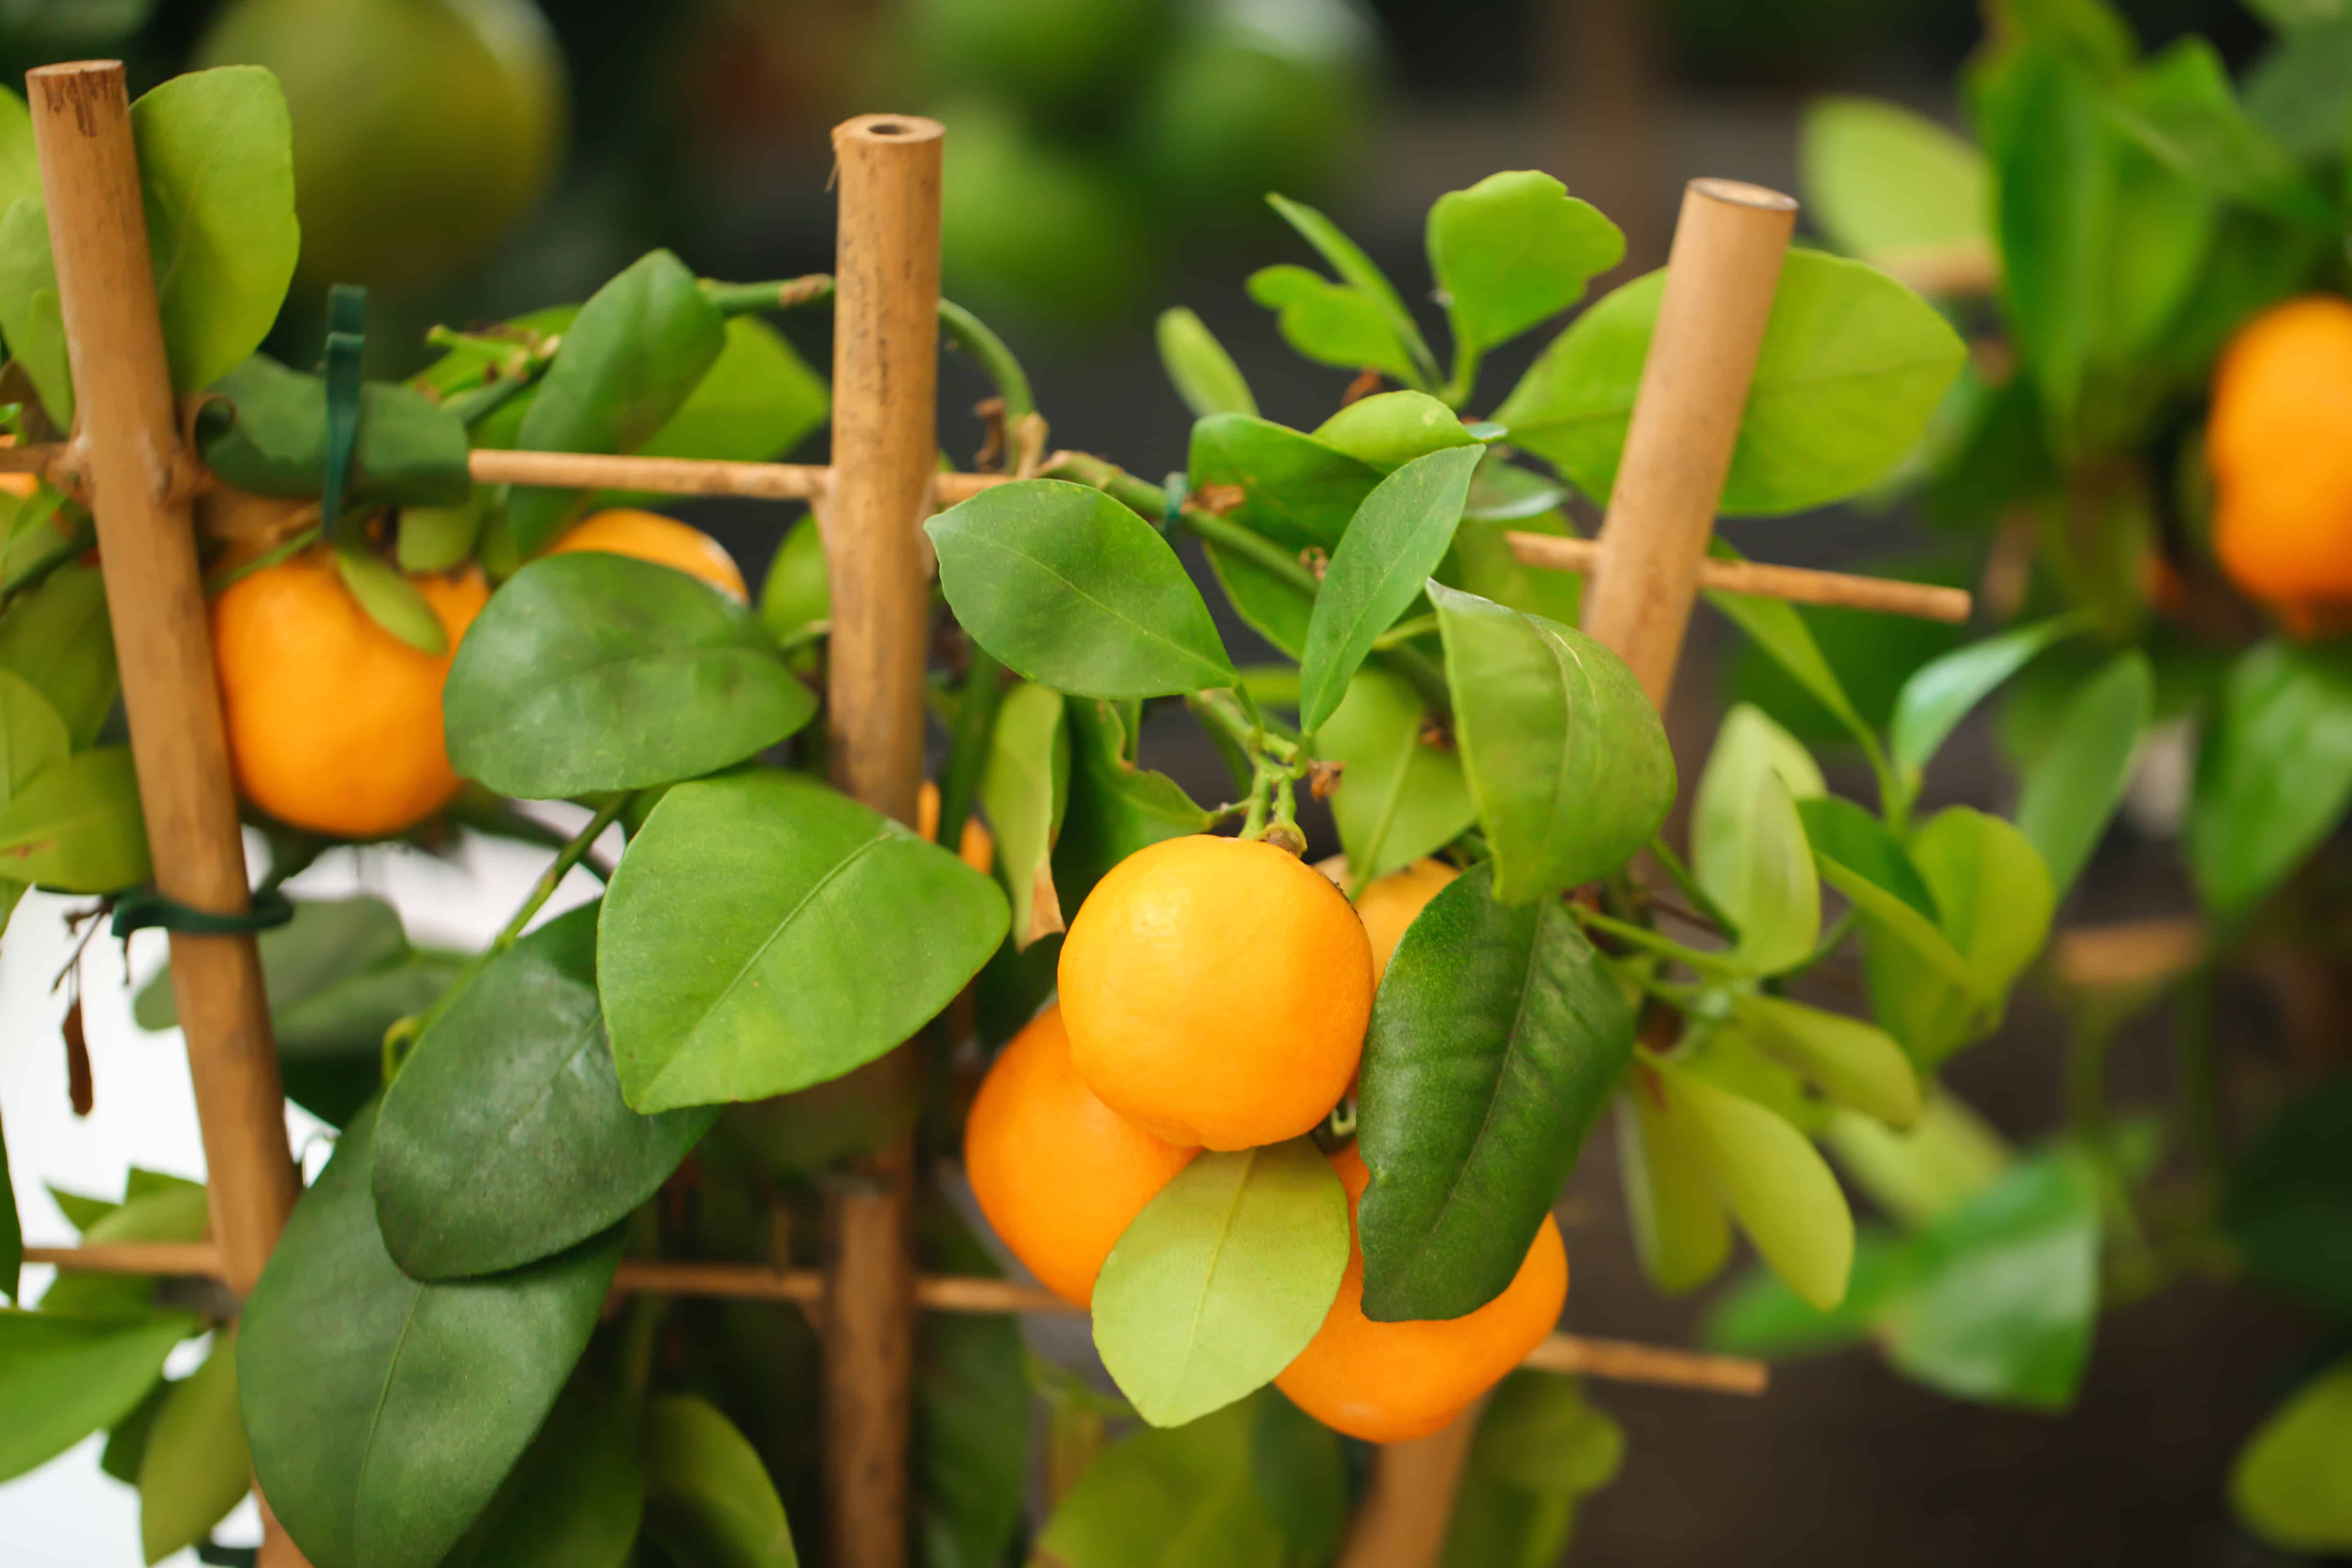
x=1105 y=161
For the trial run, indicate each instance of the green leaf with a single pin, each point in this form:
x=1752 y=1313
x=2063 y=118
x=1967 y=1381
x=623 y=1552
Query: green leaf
x=1880 y=178
x=1178 y=1498
x=627 y=364
x=1296 y=490
x=1329 y=322
x=1852 y=365
x=505 y=1138
x=1026 y=784
x=62 y=1378
x=2056 y=196
x=972 y=1437
x=757 y=400
x=2288 y=1203
x=1497 y=1036
x=574 y=1499
x=1925 y=1171
x=194 y=1466
x=1115 y=808
x=1770 y=1175
x=2298 y=90
x=440 y=538
x=20 y=164
x=2181 y=107
x=1538 y=1449
x=2006 y=1290
x=1860 y=860
x=1994 y=901
x=709 y=1500
x=1390 y=429
x=1398 y=537
x=735 y=952
x=1680 y=1229
x=1513 y=250
x=1301 y=1476
x=391 y=600
x=1761 y=1316
x=263 y=428
x=12 y=1231
x=1564 y=755
x=59 y=639
x=1067 y=586
x=217 y=166
x=1402 y=795
x=2275 y=773
x=589 y=672
x=33 y=736
x=1748 y=849
x=1941 y=693
x=2291 y=1483
x=1356 y=269
x=77 y=826
x=154 y=1209
x=1775 y=628
x=385 y=1411
x=31 y=316
x=798 y=589
x=1222 y=1279
x=1203 y=374
x=1849 y=1060
x=126 y=1441
x=2072 y=789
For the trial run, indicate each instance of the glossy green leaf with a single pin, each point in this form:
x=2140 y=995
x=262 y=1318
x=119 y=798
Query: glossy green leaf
x=391 y=600
x=155 y=1208
x=1068 y=587
x=2276 y=770
x=2291 y=1483
x=757 y=402
x=1301 y=1476
x=1770 y=1175
x=77 y=826
x=1757 y=1315
x=1853 y=364
x=1331 y=323
x=2288 y=1203
x=1496 y=1038
x=194 y=1466
x=708 y=1499
x=1539 y=1447
x=2181 y=107
x=1849 y=1060
x=1390 y=429
x=32 y=735
x=1026 y=784
x=1880 y=178
x=440 y=538
x=217 y=165
x=383 y=1412
x=327 y=940
x=505 y=1138
x=1941 y=693
x=1176 y=1498
x=1860 y=860
x=2073 y=788
x=1356 y=269
x=1398 y=537
x=1222 y=1279
x=1513 y=250
x=1780 y=633
x=20 y=165
x=126 y=1441
x=31 y=316
x=574 y=1499
x=1924 y=1172
x=1402 y=795
x=589 y=672
x=1203 y=374
x=1296 y=490
x=1748 y=849
x=263 y=428
x=2055 y=195
x=59 y=639
x=62 y=1378
x=1994 y=901
x=1115 y=808
x=627 y=364
x=1564 y=755
x=1485 y=564
x=736 y=954
x=1681 y=1232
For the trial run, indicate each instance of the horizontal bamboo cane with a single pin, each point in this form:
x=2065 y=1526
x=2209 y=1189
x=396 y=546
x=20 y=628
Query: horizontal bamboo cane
x=1884 y=594
x=1620 y=1361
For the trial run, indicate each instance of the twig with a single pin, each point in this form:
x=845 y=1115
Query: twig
x=1796 y=584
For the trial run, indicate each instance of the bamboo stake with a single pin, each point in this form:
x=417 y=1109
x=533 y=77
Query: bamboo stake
x=138 y=479
x=1883 y=594
x=885 y=455
x=681 y=476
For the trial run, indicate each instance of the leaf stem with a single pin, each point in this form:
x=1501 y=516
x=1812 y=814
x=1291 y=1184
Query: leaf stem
x=1680 y=875
x=1404 y=632
x=1649 y=940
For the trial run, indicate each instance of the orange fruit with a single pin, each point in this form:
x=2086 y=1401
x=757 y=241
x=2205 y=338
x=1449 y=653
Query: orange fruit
x=1390 y=904
x=1385 y=1383
x=2279 y=442
x=1059 y=1173
x=1216 y=992
x=334 y=724
x=975 y=845
x=664 y=541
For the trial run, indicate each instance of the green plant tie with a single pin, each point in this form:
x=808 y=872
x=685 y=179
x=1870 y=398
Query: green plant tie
x=346 y=337
x=146 y=907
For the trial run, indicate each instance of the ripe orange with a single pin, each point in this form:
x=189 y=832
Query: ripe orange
x=1390 y=904
x=1059 y=1173
x=975 y=845
x=2279 y=442
x=334 y=724
x=664 y=541
x=1385 y=1383
x=1216 y=992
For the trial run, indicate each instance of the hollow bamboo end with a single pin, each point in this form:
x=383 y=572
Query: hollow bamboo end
x=1740 y=194
x=886 y=129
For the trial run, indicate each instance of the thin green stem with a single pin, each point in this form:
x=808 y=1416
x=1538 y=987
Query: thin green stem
x=1680 y=875
x=472 y=407
x=1649 y=940
x=1465 y=379
x=285 y=550
x=1404 y=632
x=970 y=333
x=758 y=299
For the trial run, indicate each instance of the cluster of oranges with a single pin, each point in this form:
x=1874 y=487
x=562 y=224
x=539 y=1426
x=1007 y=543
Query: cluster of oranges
x=334 y=724
x=1214 y=995
x=2279 y=443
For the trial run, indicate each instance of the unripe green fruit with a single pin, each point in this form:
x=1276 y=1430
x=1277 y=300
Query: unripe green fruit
x=1046 y=54
x=1033 y=229
x=424 y=130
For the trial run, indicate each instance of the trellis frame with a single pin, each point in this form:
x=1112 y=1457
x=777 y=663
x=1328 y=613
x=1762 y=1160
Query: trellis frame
x=129 y=459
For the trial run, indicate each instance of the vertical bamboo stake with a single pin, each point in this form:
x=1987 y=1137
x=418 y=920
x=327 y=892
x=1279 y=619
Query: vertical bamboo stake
x=135 y=471
x=885 y=450
x=1720 y=279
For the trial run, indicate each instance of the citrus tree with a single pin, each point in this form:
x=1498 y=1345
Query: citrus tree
x=2149 y=447
x=1267 y=1138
